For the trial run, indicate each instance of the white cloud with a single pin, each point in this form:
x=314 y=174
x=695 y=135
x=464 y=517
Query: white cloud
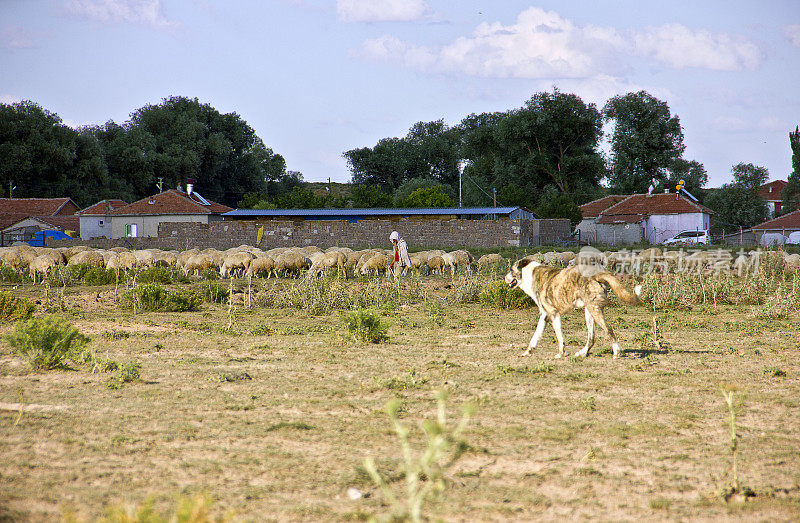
x=147 y=12
x=792 y=33
x=541 y=44
x=15 y=37
x=730 y=124
x=382 y=10
x=601 y=88
x=678 y=47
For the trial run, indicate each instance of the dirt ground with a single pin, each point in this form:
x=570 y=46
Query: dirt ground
x=274 y=417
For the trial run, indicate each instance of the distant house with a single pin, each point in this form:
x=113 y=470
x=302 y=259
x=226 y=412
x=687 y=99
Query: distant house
x=649 y=218
x=142 y=218
x=94 y=221
x=771 y=193
x=12 y=210
x=21 y=218
x=785 y=225
x=585 y=231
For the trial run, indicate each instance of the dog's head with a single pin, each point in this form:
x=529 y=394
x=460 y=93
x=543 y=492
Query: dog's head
x=514 y=277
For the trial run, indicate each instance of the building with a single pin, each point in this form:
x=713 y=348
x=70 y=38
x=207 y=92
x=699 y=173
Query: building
x=21 y=218
x=650 y=218
x=355 y=215
x=771 y=193
x=785 y=225
x=142 y=218
x=585 y=231
x=93 y=219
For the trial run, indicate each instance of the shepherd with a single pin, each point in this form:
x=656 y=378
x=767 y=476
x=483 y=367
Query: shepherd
x=400 y=261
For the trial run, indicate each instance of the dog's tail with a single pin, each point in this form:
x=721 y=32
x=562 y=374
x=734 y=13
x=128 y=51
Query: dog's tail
x=631 y=298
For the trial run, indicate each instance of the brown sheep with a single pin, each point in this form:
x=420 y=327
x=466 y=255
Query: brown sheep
x=198 y=263
x=378 y=263
x=291 y=262
x=262 y=264
x=93 y=258
x=435 y=264
x=238 y=262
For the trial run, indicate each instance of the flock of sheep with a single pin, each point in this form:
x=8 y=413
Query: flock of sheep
x=248 y=261
x=242 y=261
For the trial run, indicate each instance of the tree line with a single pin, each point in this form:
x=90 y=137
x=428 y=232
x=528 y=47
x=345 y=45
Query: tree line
x=545 y=155
x=177 y=139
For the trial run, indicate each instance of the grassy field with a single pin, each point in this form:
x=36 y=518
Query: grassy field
x=272 y=412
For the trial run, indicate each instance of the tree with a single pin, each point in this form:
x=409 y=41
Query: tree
x=691 y=172
x=737 y=204
x=553 y=204
x=370 y=196
x=427 y=197
x=645 y=142
x=791 y=193
x=404 y=191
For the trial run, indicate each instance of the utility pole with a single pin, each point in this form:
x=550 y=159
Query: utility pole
x=494 y=199
x=11 y=188
x=160 y=184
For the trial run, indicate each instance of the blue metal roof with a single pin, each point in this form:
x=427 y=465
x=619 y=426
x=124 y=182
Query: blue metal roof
x=330 y=213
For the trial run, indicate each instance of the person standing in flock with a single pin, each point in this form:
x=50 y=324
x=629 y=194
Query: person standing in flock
x=401 y=261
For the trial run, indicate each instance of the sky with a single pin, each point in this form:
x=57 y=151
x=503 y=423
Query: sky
x=316 y=78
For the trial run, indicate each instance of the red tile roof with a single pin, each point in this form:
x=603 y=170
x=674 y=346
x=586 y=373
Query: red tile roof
x=636 y=207
x=787 y=221
x=171 y=201
x=102 y=207
x=60 y=222
x=595 y=207
x=38 y=206
x=772 y=190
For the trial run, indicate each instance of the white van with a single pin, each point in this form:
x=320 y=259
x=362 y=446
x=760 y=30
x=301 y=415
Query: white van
x=693 y=237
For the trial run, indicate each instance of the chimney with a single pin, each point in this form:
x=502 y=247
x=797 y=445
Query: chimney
x=189 y=186
x=666 y=187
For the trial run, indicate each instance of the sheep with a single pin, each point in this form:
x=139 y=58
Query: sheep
x=236 y=262
x=792 y=264
x=435 y=264
x=184 y=256
x=144 y=259
x=165 y=259
x=42 y=264
x=378 y=263
x=198 y=263
x=491 y=261
x=262 y=264
x=291 y=262
x=11 y=259
x=322 y=261
x=93 y=258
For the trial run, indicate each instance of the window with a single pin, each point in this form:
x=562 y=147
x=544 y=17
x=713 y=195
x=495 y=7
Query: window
x=101 y=223
x=130 y=230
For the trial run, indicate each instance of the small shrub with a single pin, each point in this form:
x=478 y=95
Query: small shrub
x=212 y=292
x=10 y=275
x=47 y=342
x=115 y=334
x=125 y=373
x=499 y=294
x=775 y=372
x=365 y=326
x=155 y=298
x=157 y=275
x=86 y=274
x=14 y=308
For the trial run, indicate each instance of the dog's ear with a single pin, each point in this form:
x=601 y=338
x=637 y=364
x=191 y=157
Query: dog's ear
x=520 y=264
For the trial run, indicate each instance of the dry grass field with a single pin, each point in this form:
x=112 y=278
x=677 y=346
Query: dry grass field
x=271 y=412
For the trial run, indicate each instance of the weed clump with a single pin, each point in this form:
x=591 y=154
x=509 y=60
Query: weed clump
x=47 y=342
x=155 y=298
x=365 y=326
x=14 y=308
x=212 y=292
x=499 y=294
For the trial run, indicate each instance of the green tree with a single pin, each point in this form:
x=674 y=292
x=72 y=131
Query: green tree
x=408 y=187
x=299 y=198
x=45 y=158
x=428 y=197
x=737 y=204
x=791 y=193
x=691 y=172
x=370 y=196
x=645 y=142
x=554 y=204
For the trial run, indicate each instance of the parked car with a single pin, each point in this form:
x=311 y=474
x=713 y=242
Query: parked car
x=693 y=237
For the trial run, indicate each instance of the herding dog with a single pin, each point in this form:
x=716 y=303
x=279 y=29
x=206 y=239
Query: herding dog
x=557 y=290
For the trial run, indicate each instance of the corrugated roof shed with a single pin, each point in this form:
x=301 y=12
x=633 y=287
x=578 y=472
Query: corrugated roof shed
x=356 y=214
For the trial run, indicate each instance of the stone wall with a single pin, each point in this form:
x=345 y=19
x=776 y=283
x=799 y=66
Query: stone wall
x=329 y=233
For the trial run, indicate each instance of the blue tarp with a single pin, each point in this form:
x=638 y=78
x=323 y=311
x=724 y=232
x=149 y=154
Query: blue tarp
x=41 y=237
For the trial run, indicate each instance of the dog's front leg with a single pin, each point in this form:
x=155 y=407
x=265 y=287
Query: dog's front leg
x=559 y=335
x=537 y=334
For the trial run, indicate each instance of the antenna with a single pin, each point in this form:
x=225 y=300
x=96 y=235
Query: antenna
x=11 y=188
x=160 y=184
